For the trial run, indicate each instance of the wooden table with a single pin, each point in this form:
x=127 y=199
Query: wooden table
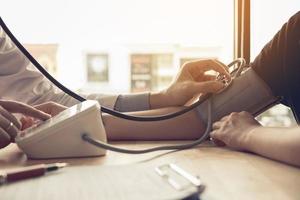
x=227 y=174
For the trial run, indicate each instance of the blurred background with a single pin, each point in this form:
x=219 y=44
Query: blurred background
x=123 y=46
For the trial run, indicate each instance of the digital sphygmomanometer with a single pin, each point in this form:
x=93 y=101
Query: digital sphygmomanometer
x=78 y=131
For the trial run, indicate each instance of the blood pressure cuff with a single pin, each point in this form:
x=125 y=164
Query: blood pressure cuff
x=247 y=92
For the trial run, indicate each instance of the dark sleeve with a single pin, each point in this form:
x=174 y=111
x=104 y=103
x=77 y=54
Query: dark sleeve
x=278 y=64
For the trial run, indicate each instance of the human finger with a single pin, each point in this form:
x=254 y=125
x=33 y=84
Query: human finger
x=5 y=139
x=10 y=117
x=207 y=65
x=17 y=107
x=222 y=66
x=216 y=135
x=8 y=127
x=224 y=118
x=217 y=142
x=216 y=125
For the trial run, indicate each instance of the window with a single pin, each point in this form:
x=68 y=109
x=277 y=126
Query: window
x=46 y=54
x=97 y=67
x=141 y=70
x=134 y=34
x=151 y=71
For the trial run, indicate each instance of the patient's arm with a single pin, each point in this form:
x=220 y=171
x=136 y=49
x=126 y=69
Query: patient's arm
x=185 y=127
x=242 y=132
x=281 y=144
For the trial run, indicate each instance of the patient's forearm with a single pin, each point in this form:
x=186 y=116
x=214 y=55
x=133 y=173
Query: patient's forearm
x=187 y=126
x=281 y=144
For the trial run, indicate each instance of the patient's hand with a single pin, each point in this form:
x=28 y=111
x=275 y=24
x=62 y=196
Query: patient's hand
x=234 y=129
x=189 y=82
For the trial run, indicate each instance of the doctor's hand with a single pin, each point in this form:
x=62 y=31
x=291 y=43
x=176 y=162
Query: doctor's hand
x=233 y=130
x=50 y=108
x=9 y=124
x=191 y=81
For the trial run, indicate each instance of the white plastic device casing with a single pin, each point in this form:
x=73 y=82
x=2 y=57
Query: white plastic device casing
x=60 y=136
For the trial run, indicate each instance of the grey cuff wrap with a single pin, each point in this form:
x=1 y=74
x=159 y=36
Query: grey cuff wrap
x=132 y=102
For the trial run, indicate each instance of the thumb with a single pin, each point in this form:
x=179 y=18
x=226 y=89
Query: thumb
x=208 y=87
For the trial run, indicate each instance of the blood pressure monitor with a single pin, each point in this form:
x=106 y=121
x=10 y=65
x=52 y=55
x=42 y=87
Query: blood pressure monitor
x=61 y=135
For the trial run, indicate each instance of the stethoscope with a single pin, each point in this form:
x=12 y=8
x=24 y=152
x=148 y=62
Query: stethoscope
x=207 y=97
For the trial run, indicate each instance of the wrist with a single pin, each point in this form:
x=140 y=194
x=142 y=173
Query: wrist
x=247 y=142
x=157 y=100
